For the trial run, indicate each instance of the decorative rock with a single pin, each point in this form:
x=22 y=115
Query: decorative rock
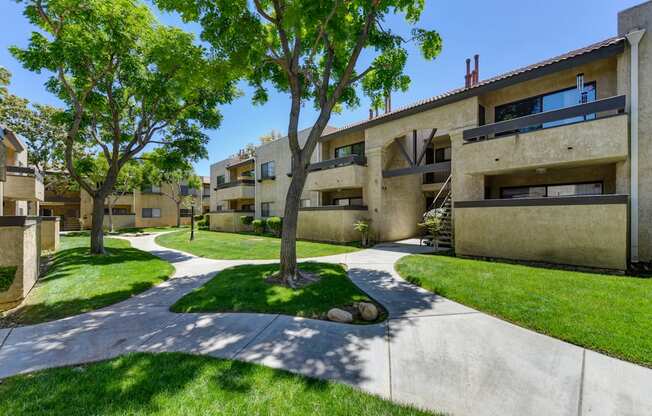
x=339 y=315
x=368 y=311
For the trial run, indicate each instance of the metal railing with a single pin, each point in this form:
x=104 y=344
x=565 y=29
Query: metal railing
x=24 y=171
x=340 y=161
x=240 y=182
x=492 y=131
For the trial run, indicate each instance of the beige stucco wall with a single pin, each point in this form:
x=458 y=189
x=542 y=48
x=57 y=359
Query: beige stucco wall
x=242 y=191
x=228 y=221
x=582 y=235
x=351 y=176
x=20 y=247
x=329 y=225
x=327 y=150
x=121 y=221
x=640 y=17
x=24 y=187
x=275 y=190
x=397 y=204
x=50 y=233
x=593 y=141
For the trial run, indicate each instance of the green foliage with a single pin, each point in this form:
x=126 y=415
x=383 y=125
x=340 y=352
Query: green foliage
x=7 y=276
x=246 y=219
x=128 y=83
x=433 y=221
x=606 y=313
x=174 y=384
x=40 y=125
x=203 y=222
x=244 y=289
x=259 y=225
x=275 y=224
x=239 y=246
x=362 y=226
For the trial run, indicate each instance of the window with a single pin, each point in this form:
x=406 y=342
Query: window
x=248 y=173
x=265 y=209
x=267 y=170
x=248 y=207
x=347 y=201
x=351 y=149
x=151 y=189
x=151 y=213
x=218 y=207
x=443 y=154
x=185 y=212
x=219 y=180
x=305 y=203
x=547 y=102
x=543 y=191
x=185 y=191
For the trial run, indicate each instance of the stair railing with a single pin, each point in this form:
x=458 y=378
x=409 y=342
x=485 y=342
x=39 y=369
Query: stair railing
x=439 y=194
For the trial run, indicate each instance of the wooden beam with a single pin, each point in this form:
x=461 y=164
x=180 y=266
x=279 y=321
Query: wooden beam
x=414 y=146
x=403 y=151
x=433 y=167
x=425 y=146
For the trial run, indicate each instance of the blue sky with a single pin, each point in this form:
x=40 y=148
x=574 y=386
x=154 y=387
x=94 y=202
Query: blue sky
x=506 y=33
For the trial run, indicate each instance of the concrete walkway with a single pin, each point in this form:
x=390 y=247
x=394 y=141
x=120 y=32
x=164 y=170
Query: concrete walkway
x=432 y=352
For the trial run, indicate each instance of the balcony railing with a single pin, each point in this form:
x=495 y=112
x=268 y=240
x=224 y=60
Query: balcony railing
x=24 y=171
x=492 y=131
x=240 y=182
x=336 y=163
x=335 y=208
x=436 y=177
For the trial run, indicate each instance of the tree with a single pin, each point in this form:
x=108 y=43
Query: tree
x=183 y=185
x=127 y=82
x=39 y=124
x=310 y=49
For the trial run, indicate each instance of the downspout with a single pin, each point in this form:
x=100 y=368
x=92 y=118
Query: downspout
x=634 y=37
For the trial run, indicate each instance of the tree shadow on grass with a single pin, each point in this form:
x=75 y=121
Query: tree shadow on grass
x=180 y=384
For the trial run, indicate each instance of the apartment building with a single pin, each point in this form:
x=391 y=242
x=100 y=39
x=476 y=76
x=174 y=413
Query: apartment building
x=550 y=162
x=21 y=186
x=149 y=206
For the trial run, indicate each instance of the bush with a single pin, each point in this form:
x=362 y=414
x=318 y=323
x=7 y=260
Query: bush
x=202 y=222
x=259 y=225
x=362 y=226
x=275 y=224
x=246 y=219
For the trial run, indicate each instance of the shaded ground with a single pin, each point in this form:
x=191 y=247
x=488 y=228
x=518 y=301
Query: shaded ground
x=234 y=246
x=244 y=289
x=78 y=282
x=611 y=314
x=179 y=384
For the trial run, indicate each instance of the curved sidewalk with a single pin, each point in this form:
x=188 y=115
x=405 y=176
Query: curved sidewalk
x=432 y=352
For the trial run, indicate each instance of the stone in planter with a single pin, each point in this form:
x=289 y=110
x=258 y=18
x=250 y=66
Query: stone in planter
x=339 y=315
x=368 y=311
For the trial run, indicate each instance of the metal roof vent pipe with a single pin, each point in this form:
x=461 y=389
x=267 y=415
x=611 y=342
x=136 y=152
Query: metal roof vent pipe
x=467 y=77
x=388 y=103
x=476 y=70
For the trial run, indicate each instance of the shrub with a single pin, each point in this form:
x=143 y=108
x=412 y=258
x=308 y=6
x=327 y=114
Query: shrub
x=433 y=222
x=202 y=222
x=246 y=219
x=259 y=225
x=362 y=226
x=275 y=224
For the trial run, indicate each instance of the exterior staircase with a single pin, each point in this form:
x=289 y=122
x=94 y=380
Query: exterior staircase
x=71 y=224
x=444 y=238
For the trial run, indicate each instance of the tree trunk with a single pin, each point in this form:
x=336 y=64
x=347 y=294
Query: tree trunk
x=110 y=214
x=178 y=214
x=289 y=272
x=97 y=230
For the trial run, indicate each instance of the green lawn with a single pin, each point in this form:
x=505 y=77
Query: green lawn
x=77 y=282
x=175 y=384
x=611 y=314
x=232 y=246
x=244 y=289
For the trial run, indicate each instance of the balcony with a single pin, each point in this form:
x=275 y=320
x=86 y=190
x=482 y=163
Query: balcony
x=24 y=184
x=500 y=148
x=341 y=173
x=576 y=230
x=433 y=181
x=239 y=189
